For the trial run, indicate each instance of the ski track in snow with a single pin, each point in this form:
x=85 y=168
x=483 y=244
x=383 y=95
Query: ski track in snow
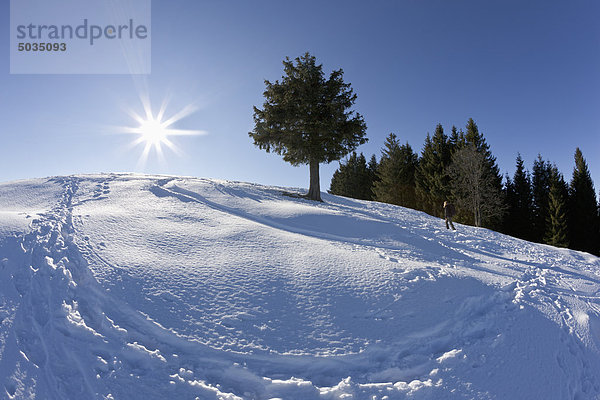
x=402 y=309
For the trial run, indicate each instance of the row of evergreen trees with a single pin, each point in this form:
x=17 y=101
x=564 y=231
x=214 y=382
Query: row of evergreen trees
x=543 y=207
x=538 y=206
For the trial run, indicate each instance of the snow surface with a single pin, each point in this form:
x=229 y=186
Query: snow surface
x=126 y=286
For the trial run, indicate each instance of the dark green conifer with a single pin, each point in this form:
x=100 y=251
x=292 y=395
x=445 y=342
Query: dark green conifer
x=509 y=198
x=308 y=119
x=583 y=208
x=557 y=232
x=518 y=217
x=540 y=183
x=456 y=139
x=396 y=172
x=491 y=172
x=353 y=178
x=373 y=168
x=432 y=179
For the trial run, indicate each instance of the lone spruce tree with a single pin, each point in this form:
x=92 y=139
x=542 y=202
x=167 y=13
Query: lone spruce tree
x=307 y=119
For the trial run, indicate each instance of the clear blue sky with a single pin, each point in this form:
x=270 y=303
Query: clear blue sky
x=527 y=72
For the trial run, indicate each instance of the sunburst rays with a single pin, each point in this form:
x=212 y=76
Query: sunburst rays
x=155 y=132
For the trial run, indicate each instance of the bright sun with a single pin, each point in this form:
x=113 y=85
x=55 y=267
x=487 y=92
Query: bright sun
x=154 y=131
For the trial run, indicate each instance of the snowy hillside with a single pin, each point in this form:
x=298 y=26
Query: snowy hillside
x=154 y=287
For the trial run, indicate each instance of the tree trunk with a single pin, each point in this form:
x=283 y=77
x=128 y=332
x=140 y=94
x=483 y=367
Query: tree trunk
x=314 y=191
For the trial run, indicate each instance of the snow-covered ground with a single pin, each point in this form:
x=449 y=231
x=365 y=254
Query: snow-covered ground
x=150 y=287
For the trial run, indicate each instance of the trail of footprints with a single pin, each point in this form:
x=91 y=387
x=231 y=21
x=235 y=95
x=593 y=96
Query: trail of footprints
x=102 y=189
x=534 y=287
x=56 y=322
x=62 y=326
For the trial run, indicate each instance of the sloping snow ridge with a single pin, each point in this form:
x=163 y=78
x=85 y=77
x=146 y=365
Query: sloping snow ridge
x=123 y=286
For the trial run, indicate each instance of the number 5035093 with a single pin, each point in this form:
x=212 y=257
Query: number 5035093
x=42 y=47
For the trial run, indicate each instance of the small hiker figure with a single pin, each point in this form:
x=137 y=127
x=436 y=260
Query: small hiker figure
x=449 y=212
